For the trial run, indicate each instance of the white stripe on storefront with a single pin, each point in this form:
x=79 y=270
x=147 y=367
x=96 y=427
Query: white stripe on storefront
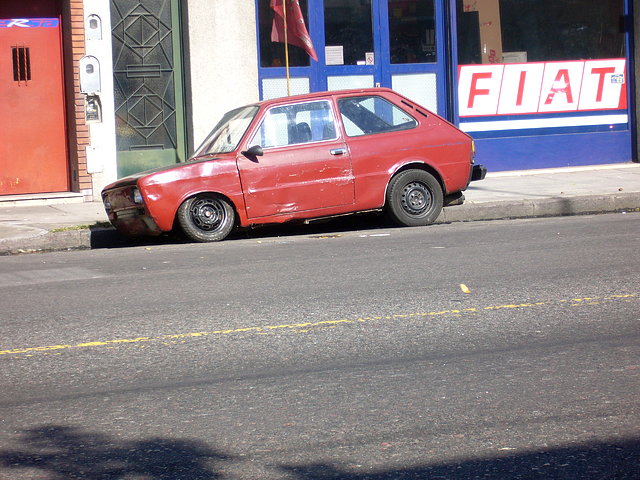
x=544 y=123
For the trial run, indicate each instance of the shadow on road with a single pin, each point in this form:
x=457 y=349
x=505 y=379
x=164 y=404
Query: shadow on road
x=58 y=452
x=602 y=461
x=62 y=452
x=110 y=238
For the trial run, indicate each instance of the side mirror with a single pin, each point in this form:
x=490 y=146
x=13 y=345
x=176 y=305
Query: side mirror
x=253 y=152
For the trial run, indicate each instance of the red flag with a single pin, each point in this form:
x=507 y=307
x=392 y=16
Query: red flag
x=297 y=33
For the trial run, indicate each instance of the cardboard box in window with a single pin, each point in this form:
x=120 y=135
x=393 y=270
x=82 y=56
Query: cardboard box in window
x=490 y=29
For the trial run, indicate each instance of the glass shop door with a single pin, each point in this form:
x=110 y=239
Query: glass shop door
x=390 y=43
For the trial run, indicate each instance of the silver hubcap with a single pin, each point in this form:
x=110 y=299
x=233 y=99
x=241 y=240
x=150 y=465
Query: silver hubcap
x=207 y=214
x=416 y=198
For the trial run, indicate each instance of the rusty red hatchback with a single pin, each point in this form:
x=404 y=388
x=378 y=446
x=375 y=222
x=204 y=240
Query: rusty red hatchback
x=296 y=158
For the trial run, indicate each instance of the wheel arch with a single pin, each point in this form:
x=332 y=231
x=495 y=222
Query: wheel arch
x=238 y=212
x=416 y=166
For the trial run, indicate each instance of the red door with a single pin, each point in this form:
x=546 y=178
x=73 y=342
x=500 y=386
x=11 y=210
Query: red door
x=297 y=178
x=306 y=165
x=33 y=150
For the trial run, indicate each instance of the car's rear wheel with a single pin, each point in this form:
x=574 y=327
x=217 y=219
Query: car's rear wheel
x=414 y=198
x=206 y=218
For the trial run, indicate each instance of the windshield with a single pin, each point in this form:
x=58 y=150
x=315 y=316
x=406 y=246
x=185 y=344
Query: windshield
x=226 y=135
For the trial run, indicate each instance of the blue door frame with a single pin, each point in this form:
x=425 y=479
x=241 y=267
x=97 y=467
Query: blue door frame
x=382 y=71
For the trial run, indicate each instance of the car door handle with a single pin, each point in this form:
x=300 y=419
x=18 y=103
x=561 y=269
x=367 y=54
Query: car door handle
x=338 y=151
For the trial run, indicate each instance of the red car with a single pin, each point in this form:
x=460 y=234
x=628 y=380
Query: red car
x=309 y=156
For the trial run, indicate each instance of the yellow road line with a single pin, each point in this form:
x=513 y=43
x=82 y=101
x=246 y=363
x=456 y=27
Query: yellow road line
x=306 y=325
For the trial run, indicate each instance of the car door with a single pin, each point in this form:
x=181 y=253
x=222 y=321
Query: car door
x=305 y=166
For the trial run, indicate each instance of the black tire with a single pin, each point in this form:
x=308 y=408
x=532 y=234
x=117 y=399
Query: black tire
x=206 y=218
x=414 y=198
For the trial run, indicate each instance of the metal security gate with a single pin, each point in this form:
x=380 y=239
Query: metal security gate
x=147 y=65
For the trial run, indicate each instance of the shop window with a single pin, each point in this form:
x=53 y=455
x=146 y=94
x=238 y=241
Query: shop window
x=272 y=54
x=412 y=31
x=518 y=31
x=348 y=30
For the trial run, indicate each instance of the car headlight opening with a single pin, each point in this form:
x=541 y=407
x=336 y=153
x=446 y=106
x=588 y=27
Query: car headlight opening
x=136 y=196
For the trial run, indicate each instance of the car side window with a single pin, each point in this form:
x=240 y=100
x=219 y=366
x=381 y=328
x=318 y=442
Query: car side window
x=296 y=124
x=372 y=114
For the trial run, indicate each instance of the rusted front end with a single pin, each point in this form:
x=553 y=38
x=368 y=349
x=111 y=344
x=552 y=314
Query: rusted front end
x=127 y=212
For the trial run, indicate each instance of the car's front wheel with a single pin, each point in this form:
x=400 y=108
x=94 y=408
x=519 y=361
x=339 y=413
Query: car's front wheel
x=206 y=218
x=414 y=198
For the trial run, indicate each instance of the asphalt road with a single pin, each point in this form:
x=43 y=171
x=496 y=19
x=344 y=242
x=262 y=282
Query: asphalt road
x=489 y=350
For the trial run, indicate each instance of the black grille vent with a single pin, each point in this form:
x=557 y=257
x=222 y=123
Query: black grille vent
x=21 y=64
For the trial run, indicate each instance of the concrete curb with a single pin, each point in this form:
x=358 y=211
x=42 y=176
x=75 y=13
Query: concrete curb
x=542 y=207
x=75 y=239
x=48 y=241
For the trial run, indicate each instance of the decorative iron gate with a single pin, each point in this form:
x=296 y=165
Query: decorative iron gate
x=148 y=91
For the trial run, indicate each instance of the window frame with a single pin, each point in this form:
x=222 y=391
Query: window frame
x=291 y=123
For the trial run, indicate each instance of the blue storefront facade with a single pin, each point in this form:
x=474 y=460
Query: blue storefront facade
x=537 y=83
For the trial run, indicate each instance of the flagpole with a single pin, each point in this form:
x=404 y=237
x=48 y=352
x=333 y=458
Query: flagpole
x=286 y=46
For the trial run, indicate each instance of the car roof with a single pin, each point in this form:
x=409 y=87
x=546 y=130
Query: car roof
x=325 y=94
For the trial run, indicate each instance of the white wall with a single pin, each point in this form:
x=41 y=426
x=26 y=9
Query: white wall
x=221 y=73
x=101 y=154
x=221 y=60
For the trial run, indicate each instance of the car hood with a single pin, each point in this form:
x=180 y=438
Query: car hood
x=133 y=179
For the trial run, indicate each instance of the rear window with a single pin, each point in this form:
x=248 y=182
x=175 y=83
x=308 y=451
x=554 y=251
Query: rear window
x=369 y=115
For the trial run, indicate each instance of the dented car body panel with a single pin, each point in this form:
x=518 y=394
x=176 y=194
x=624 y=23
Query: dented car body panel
x=164 y=191
x=302 y=157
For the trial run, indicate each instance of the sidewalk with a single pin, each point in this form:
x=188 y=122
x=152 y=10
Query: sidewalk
x=518 y=194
